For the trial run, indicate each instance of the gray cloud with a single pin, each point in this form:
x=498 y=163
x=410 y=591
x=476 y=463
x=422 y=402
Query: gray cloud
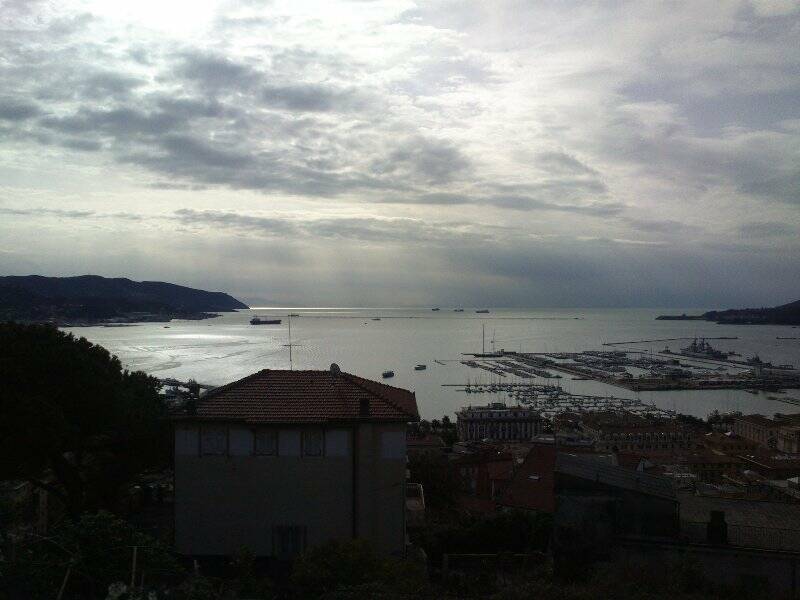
x=54 y=212
x=561 y=162
x=392 y=230
x=215 y=72
x=118 y=121
x=508 y=155
x=521 y=203
x=310 y=97
x=420 y=158
x=661 y=226
x=17 y=110
x=767 y=229
x=782 y=186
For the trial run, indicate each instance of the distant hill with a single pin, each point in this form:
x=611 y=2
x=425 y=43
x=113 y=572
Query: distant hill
x=786 y=314
x=93 y=298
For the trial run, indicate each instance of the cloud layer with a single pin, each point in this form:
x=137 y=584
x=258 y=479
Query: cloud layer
x=547 y=154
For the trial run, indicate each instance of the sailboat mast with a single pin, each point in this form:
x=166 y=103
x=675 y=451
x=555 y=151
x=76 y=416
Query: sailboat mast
x=291 y=367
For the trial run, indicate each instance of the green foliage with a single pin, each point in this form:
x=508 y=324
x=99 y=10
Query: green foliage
x=97 y=549
x=246 y=582
x=69 y=411
x=513 y=531
x=347 y=569
x=438 y=480
x=196 y=587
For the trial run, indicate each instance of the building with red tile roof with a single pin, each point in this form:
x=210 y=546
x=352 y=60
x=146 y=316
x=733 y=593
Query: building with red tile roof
x=273 y=396
x=282 y=460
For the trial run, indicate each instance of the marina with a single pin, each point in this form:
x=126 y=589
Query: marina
x=552 y=400
x=696 y=367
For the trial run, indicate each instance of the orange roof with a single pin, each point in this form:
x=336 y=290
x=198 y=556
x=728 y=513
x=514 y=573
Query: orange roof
x=271 y=396
x=533 y=485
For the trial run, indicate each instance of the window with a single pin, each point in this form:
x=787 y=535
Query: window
x=312 y=442
x=266 y=442
x=288 y=541
x=214 y=440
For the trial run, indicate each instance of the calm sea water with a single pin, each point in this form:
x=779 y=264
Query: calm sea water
x=220 y=350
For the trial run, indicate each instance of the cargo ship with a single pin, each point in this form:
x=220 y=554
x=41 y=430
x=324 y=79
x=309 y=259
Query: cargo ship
x=260 y=321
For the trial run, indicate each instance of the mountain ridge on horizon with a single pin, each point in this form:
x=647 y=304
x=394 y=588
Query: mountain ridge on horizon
x=93 y=297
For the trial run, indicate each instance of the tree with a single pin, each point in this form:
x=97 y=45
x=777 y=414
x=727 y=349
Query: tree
x=85 y=557
x=438 y=479
x=72 y=420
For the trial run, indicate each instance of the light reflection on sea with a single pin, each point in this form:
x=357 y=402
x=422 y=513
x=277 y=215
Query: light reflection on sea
x=217 y=351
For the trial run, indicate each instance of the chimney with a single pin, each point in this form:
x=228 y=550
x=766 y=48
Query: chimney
x=363 y=407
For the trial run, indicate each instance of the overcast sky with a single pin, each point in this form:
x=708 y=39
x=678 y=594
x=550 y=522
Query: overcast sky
x=500 y=153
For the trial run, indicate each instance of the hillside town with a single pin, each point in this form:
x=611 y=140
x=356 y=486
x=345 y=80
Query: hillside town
x=283 y=462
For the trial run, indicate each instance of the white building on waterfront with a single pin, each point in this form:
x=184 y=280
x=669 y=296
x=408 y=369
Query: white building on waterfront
x=496 y=421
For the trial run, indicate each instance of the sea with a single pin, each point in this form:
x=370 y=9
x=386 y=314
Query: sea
x=369 y=341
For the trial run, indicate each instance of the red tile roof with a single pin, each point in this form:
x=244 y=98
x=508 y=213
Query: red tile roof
x=271 y=396
x=533 y=485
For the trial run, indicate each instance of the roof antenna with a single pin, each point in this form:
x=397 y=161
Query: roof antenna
x=290 y=344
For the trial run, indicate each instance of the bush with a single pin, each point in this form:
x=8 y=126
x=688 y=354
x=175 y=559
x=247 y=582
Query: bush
x=97 y=549
x=345 y=569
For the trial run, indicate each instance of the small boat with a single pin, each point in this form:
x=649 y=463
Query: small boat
x=434 y=309
x=420 y=367
x=482 y=311
x=260 y=321
x=387 y=374
x=376 y=319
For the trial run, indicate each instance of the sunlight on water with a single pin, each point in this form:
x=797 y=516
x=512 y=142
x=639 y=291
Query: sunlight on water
x=369 y=341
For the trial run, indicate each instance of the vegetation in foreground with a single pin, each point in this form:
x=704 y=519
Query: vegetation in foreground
x=91 y=559
x=72 y=420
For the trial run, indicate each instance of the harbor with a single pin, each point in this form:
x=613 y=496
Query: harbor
x=698 y=366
